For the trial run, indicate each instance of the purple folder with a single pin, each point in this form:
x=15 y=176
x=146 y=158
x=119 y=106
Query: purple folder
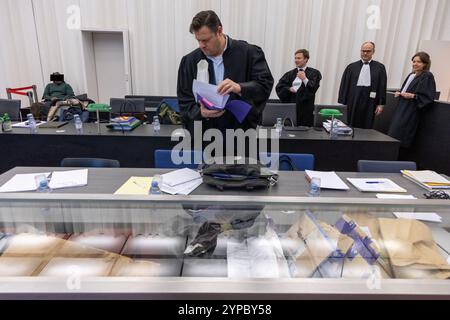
x=238 y=108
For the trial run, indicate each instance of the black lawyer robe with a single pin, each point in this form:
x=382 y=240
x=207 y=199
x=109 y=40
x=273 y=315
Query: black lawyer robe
x=244 y=64
x=305 y=96
x=406 y=116
x=361 y=107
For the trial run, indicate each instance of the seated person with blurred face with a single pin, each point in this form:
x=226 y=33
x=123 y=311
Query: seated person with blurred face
x=235 y=66
x=56 y=91
x=300 y=86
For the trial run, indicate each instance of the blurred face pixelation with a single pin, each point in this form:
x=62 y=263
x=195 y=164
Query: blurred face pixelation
x=367 y=52
x=300 y=60
x=209 y=41
x=417 y=65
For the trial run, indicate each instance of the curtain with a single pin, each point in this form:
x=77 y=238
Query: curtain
x=36 y=41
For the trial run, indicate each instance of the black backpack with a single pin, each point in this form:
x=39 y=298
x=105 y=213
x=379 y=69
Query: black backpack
x=239 y=176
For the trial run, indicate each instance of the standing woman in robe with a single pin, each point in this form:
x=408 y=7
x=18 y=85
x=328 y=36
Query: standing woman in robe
x=418 y=91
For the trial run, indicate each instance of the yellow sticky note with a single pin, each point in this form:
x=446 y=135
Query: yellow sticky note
x=135 y=186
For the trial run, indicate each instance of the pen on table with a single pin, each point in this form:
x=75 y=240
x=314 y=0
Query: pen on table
x=373 y=182
x=139 y=185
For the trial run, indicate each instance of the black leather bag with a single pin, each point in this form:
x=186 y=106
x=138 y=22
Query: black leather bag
x=239 y=176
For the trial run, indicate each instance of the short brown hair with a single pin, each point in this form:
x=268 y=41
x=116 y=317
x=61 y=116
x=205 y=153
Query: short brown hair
x=425 y=58
x=304 y=52
x=205 y=18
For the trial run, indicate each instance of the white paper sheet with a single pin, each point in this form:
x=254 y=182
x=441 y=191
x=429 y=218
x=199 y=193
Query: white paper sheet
x=180 y=176
x=182 y=189
x=209 y=92
x=21 y=183
x=395 y=196
x=68 y=179
x=376 y=185
x=328 y=180
x=424 y=216
x=25 y=124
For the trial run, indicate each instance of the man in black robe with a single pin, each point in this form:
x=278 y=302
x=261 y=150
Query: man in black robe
x=363 y=88
x=238 y=68
x=300 y=86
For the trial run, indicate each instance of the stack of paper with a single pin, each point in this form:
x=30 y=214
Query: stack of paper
x=375 y=185
x=424 y=216
x=328 y=180
x=124 y=123
x=427 y=179
x=340 y=127
x=21 y=183
x=59 y=180
x=69 y=179
x=182 y=181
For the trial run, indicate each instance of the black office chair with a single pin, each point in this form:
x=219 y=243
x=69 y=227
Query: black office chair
x=121 y=106
x=90 y=162
x=286 y=111
x=11 y=107
x=319 y=120
x=385 y=166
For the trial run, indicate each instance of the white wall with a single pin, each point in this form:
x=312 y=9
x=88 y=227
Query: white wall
x=440 y=65
x=35 y=40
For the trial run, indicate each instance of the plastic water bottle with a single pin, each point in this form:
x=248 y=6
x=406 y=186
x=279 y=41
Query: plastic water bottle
x=42 y=183
x=314 y=187
x=155 y=187
x=78 y=124
x=31 y=123
x=156 y=125
x=279 y=126
x=334 y=130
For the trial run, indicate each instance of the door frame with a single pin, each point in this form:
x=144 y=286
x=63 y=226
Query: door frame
x=88 y=60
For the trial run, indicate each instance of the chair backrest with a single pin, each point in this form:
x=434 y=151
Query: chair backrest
x=151 y=101
x=385 y=166
x=11 y=107
x=172 y=103
x=163 y=159
x=300 y=161
x=318 y=119
x=90 y=162
x=272 y=111
x=119 y=105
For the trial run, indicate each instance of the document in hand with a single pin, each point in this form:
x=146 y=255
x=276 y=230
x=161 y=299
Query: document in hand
x=427 y=179
x=21 y=183
x=328 y=180
x=68 y=179
x=207 y=94
x=375 y=185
